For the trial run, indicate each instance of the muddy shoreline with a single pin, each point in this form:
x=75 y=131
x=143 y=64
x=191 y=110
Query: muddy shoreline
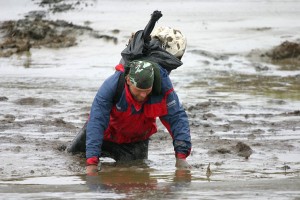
x=243 y=107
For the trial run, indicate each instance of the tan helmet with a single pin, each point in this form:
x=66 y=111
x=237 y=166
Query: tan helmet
x=172 y=40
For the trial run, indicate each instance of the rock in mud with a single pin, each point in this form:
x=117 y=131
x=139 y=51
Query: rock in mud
x=21 y=35
x=286 y=54
x=260 y=67
x=35 y=32
x=243 y=150
x=3 y=98
x=286 y=50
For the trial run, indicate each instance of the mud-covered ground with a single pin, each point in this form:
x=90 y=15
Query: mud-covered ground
x=239 y=84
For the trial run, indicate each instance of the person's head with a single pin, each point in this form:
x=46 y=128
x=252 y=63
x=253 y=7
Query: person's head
x=173 y=41
x=140 y=79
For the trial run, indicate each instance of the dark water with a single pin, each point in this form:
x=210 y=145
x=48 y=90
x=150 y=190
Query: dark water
x=130 y=184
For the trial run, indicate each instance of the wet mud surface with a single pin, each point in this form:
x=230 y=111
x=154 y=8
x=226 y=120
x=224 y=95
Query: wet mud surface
x=243 y=108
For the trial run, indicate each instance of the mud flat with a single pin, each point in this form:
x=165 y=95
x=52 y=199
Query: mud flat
x=239 y=85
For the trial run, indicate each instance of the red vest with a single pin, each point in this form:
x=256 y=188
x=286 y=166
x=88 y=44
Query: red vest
x=129 y=126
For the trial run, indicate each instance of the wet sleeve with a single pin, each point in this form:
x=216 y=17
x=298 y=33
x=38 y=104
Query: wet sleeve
x=176 y=121
x=99 y=117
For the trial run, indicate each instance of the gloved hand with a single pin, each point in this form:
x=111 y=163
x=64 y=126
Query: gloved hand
x=156 y=15
x=182 y=164
x=150 y=26
x=92 y=170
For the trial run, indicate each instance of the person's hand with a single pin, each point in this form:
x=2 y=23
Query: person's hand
x=182 y=164
x=92 y=170
x=156 y=15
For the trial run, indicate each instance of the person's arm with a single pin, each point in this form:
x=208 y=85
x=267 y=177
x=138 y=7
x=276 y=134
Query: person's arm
x=176 y=121
x=99 y=120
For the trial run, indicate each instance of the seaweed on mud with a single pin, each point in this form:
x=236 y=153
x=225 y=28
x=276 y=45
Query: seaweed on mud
x=286 y=49
x=285 y=55
x=35 y=32
x=23 y=34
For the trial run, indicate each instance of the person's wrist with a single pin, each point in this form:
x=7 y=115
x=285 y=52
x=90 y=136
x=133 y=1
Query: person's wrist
x=180 y=156
x=92 y=161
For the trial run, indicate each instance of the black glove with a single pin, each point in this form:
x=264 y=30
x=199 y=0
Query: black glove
x=150 y=26
x=156 y=15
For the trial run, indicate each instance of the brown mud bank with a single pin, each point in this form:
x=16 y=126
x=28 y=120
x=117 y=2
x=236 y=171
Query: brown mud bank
x=35 y=32
x=286 y=55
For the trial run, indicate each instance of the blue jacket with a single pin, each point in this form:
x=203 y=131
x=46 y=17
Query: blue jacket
x=126 y=122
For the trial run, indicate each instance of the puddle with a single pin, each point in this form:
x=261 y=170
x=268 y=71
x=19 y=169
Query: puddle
x=46 y=181
x=289 y=157
x=95 y=188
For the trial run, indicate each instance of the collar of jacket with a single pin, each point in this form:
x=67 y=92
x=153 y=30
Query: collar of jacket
x=137 y=105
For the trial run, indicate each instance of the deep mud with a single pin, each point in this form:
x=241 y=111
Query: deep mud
x=243 y=105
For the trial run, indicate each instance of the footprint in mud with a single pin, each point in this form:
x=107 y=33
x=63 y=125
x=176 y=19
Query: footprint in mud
x=36 y=102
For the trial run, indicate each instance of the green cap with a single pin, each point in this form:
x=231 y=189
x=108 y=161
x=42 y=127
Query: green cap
x=141 y=74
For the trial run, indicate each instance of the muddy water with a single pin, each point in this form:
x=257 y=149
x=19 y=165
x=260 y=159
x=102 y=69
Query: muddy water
x=230 y=93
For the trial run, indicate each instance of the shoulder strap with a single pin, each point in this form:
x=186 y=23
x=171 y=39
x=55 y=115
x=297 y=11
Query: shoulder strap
x=120 y=88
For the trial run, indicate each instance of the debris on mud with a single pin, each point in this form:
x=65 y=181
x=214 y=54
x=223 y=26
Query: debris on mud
x=223 y=150
x=243 y=150
x=36 y=101
x=228 y=147
x=61 y=147
x=286 y=49
x=56 y=6
x=287 y=53
x=3 y=98
x=35 y=32
x=23 y=34
x=214 y=56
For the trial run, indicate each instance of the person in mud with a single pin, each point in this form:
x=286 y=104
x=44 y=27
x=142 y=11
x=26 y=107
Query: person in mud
x=124 y=111
x=121 y=128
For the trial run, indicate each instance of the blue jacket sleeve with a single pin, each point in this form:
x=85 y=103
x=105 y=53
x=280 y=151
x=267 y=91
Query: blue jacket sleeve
x=176 y=121
x=100 y=115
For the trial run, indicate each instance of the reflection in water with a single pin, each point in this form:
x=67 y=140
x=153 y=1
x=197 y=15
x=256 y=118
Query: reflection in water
x=121 y=181
x=138 y=182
